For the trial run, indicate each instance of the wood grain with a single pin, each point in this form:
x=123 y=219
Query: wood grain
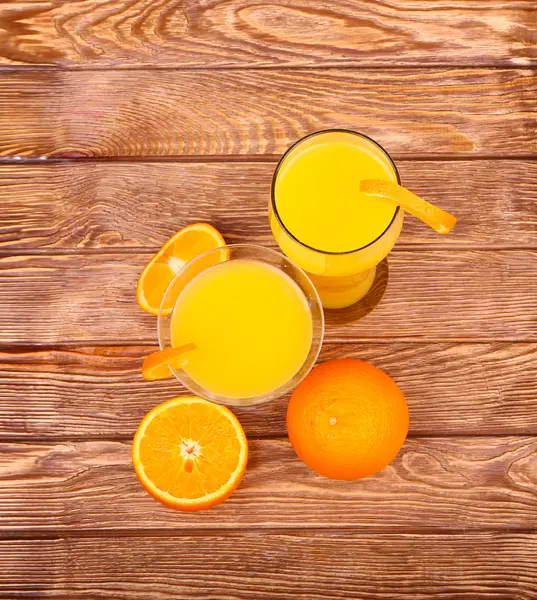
x=201 y=83
x=261 y=112
x=93 y=392
x=139 y=205
x=246 y=33
x=282 y=32
x=288 y=565
x=432 y=295
x=455 y=483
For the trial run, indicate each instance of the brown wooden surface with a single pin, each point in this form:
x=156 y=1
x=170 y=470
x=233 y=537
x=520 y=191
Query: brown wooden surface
x=311 y=565
x=451 y=388
x=431 y=295
x=177 y=112
x=131 y=113
x=434 y=483
x=138 y=206
x=281 y=32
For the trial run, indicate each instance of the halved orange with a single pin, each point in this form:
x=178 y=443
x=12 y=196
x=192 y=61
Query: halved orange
x=190 y=454
x=440 y=220
x=186 y=244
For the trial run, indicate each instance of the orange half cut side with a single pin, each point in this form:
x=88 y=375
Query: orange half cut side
x=190 y=454
x=186 y=244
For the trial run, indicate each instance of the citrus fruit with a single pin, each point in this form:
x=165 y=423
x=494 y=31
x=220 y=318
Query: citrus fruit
x=186 y=244
x=189 y=453
x=440 y=220
x=347 y=419
x=158 y=365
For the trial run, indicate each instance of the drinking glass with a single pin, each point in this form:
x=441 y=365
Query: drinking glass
x=341 y=278
x=235 y=252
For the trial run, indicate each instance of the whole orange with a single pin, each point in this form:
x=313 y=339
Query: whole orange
x=347 y=419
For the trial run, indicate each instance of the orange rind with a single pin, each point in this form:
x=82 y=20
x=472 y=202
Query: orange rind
x=160 y=364
x=440 y=220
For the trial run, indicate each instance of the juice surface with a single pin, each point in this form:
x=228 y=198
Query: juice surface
x=317 y=192
x=251 y=325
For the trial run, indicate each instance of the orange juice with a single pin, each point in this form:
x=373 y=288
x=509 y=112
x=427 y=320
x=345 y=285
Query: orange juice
x=324 y=223
x=250 y=323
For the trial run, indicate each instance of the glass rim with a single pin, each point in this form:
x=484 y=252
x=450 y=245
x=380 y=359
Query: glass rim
x=316 y=341
x=277 y=170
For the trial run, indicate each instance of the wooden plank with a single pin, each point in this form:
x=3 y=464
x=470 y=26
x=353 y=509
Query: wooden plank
x=261 y=112
x=286 y=565
x=456 y=483
x=139 y=205
x=432 y=294
x=246 y=33
x=93 y=392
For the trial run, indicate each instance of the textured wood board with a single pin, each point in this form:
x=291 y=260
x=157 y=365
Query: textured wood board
x=158 y=113
x=139 y=205
x=431 y=295
x=197 y=84
x=451 y=388
x=448 y=483
x=287 y=565
x=282 y=32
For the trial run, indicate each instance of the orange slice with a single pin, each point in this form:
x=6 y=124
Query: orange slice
x=186 y=244
x=440 y=220
x=190 y=454
x=158 y=365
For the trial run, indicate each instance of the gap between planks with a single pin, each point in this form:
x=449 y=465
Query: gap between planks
x=500 y=65
x=23 y=347
x=77 y=346
x=371 y=532
x=240 y=158
x=74 y=439
x=126 y=250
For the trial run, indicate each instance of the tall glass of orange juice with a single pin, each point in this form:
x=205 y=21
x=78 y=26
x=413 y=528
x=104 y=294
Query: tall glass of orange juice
x=254 y=321
x=323 y=222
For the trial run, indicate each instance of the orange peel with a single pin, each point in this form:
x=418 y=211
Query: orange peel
x=159 y=365
x=440 y=220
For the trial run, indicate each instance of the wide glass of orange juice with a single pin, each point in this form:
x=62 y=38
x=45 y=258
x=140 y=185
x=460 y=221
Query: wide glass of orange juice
x=323 y=222
x=254 y=319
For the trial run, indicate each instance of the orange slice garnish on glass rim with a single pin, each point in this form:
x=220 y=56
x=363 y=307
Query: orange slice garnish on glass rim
x=186 y=244
x=158 y=365
x=440 y=220
x=190 y=454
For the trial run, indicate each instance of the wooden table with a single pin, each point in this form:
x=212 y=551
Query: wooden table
x=122 y=121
